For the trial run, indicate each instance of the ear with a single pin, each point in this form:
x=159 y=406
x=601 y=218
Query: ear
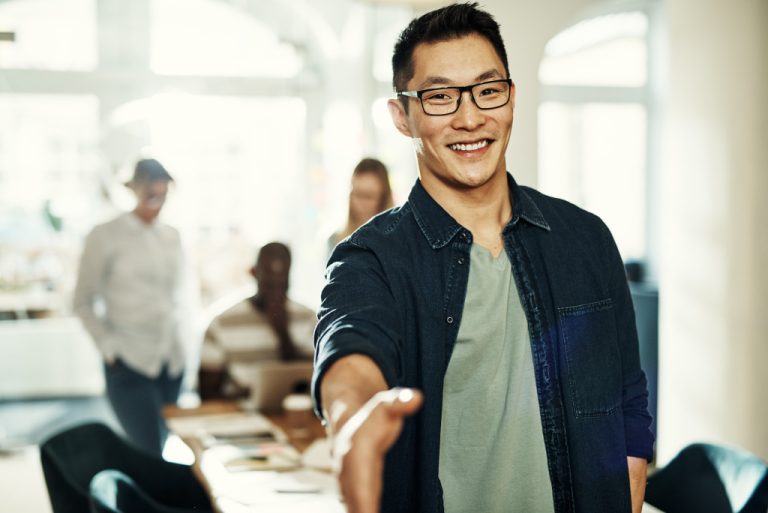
x=252 y=271
x=399 y=117
x=512 y=90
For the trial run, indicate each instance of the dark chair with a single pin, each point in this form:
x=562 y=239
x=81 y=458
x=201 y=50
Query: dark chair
x=72 y=457
x=706 y=478
x=113 y=492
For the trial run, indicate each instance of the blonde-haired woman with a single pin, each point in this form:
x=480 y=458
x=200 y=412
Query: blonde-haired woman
x=371 y=194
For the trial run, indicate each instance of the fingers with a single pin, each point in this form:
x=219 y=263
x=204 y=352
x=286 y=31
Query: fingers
x=387 y=416
x=363 y=442
x=402 y=401
x=379 y=421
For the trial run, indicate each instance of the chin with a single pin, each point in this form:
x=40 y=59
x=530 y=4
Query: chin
x=476 y=173
x=475 y=178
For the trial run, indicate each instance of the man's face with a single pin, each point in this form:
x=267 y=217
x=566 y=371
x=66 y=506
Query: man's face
x=151 y=198
x=466 y=149
x=271 y=275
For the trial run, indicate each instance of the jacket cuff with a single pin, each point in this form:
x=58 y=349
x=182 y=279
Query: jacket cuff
x=639 y=439
x=345 y=345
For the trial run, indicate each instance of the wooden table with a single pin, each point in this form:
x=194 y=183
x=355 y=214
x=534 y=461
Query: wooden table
x=291 y=491
x=315 y=430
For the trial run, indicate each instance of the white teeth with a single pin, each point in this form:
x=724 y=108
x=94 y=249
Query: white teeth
x=469 y=147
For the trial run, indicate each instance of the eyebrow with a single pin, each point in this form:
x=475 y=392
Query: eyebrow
x=443 y=81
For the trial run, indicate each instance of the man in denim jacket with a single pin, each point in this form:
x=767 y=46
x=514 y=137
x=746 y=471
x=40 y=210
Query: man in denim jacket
x=476 y=348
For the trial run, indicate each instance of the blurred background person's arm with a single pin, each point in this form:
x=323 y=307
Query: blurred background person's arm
x=89 y=291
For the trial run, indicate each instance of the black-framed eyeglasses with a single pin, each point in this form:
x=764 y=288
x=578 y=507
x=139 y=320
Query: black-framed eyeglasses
x=442 y=101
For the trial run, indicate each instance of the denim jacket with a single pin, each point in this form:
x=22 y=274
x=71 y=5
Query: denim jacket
x=395 y=292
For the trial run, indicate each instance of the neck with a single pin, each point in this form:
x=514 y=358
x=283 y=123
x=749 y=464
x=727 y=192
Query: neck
x=261 y=301
x=483 y=210
x=257 y=301
x=145 y=217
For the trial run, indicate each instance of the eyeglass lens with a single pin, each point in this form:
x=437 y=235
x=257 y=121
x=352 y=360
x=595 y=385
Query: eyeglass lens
x=488 y=95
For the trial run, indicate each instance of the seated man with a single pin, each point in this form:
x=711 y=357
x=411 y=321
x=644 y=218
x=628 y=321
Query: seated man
x=266 y=326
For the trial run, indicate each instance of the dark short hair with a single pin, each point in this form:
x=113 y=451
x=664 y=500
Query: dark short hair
x=450 y=22
x=272 y=251
x=148 y=171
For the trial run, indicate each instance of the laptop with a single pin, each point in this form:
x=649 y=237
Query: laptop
x=271 y=381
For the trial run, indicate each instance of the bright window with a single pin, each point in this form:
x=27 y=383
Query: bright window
x=49 y=190
x=594 y=123
x=48 y=151
x=602 y=145
x=211 y=38
x=609 y=50
x=49 y=34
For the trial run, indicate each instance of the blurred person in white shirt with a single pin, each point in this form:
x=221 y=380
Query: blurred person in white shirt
x=130 y=296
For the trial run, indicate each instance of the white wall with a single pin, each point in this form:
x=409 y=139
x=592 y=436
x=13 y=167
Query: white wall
x=714 y=249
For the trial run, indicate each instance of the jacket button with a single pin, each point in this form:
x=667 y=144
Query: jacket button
x=461 y=261
x=449 y=320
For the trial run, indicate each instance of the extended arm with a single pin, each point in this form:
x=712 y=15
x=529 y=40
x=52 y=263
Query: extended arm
x=88 y=289
x=364 y=420
x=357 y=359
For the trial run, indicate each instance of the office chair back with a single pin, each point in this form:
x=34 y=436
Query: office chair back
x=111 y=491
x=710 y=479
x=71 y=458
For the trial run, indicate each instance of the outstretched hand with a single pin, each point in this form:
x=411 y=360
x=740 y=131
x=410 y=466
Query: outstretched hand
x=361 y=444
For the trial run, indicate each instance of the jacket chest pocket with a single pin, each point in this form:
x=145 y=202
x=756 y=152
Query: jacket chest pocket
x=592 y=357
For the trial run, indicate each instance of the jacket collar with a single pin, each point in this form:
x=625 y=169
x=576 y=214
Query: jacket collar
x=439 y=228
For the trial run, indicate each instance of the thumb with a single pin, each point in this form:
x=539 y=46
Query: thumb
x=403 y=401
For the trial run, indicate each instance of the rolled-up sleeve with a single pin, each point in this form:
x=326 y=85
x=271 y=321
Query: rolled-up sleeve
x=637 y=419
x=358 y=315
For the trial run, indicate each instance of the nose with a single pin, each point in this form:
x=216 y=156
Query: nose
x=468 y=116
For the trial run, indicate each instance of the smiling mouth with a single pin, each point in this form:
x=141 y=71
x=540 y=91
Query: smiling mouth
x=479 y=145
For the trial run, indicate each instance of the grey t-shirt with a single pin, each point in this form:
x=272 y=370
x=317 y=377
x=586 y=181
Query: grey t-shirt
x=492 y=455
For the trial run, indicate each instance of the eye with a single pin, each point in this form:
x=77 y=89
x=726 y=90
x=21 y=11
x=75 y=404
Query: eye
x=439 y=96
x=490 y=90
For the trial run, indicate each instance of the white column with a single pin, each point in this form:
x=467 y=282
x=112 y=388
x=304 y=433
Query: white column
x=714 y=240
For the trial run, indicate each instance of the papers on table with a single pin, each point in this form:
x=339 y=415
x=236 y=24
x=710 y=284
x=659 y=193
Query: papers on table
x=260 y=456
x=300 y=491
x=248 y=464
x=223 y=425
